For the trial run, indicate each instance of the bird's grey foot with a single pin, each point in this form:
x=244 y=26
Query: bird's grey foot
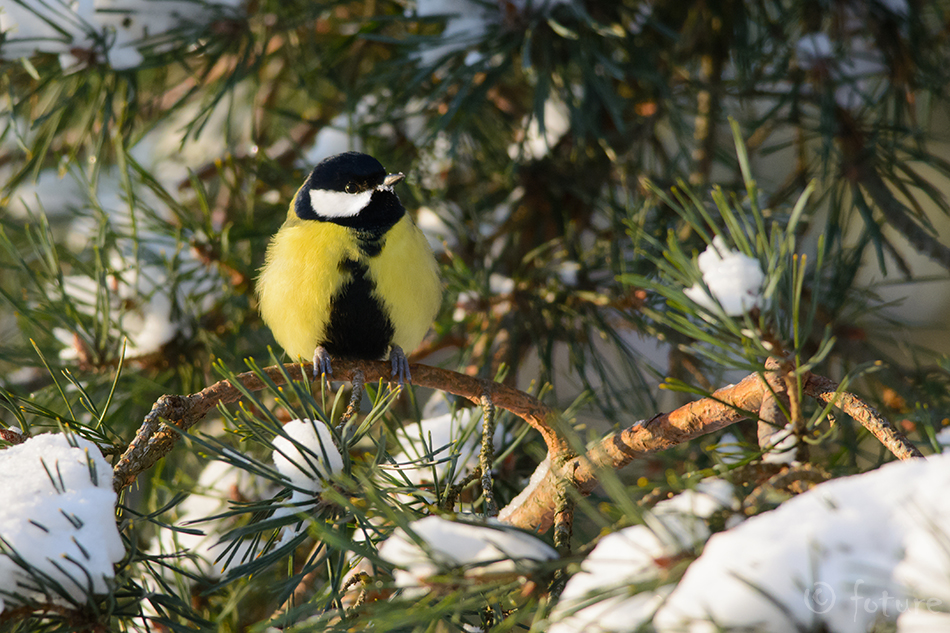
x=321 y=363
x=400 y=365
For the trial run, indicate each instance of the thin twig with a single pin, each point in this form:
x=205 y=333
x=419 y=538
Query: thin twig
x=827 y=391
x=487 y=456
x=563 y=531
x=564 y=521
x=363 y=579
x=355 y=397
x=781 y=405
x=452 y=494
x=771 y=418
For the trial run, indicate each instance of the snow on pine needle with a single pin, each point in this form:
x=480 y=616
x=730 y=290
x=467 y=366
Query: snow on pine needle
x=734 y=280
x=304 y=456
x=58 y=534
x=598 y=599
x=850 y=555
x=484 y=548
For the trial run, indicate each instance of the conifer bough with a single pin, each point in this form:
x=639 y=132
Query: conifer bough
x=726 y=406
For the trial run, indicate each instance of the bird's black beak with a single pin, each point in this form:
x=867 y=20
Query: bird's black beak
x=392 y=179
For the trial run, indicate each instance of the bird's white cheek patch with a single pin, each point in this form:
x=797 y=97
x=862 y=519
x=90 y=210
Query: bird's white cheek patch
x=336 y=204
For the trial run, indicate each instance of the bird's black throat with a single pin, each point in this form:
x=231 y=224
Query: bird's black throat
x=358 y=326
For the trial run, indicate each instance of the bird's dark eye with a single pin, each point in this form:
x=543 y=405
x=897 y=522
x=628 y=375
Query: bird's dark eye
x=351 y=187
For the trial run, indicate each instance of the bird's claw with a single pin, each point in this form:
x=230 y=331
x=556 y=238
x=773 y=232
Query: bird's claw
x=321 y=364
x=400 y=366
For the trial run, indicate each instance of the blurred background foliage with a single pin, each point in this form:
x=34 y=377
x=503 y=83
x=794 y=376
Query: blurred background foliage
x=149 y=150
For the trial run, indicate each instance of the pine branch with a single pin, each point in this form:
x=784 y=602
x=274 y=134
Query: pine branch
x=724 y=408
x=899 y=217
x=858 y=166
x=707 y=415
x=155 y=439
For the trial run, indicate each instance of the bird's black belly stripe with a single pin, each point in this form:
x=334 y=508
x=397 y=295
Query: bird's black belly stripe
x=358 y=327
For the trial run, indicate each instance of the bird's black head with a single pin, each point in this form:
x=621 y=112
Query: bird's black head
x=351 y=189
x=350 y=172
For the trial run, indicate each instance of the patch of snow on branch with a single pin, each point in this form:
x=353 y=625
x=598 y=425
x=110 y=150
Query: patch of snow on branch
x=57 y=520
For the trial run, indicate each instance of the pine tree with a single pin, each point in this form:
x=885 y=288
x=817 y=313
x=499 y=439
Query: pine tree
x=633 y=204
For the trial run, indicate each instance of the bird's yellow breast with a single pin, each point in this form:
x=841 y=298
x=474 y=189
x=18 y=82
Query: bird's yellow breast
x=407 y=282
x=302 y=276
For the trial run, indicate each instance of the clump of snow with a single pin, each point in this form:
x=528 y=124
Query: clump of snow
x=620 y=560
x=734 y=280
x=845 y=556
x=307 y=457
x=943 y=439
x=729 y=449
x=439 y=446
x=335 y=138
x=853 y=62
x=172 y=150
x=781 y=446
x=500 y=285
x=710 y=496
x=63 y=28
x=567 y=271
x=535 y=144
x=488 y=548
x=148 y=305
x=52 y=193
x=57 y=520
x=467 y=22
x=436 y=158
x=598 y=598
x=157 y=285
x=438 y=233
x=641 y=16
x=464 y=304
x=500 y=289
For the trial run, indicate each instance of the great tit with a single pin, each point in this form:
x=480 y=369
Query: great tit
x=349 y=274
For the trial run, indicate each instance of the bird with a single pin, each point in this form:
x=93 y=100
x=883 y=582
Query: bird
x=349 y=274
